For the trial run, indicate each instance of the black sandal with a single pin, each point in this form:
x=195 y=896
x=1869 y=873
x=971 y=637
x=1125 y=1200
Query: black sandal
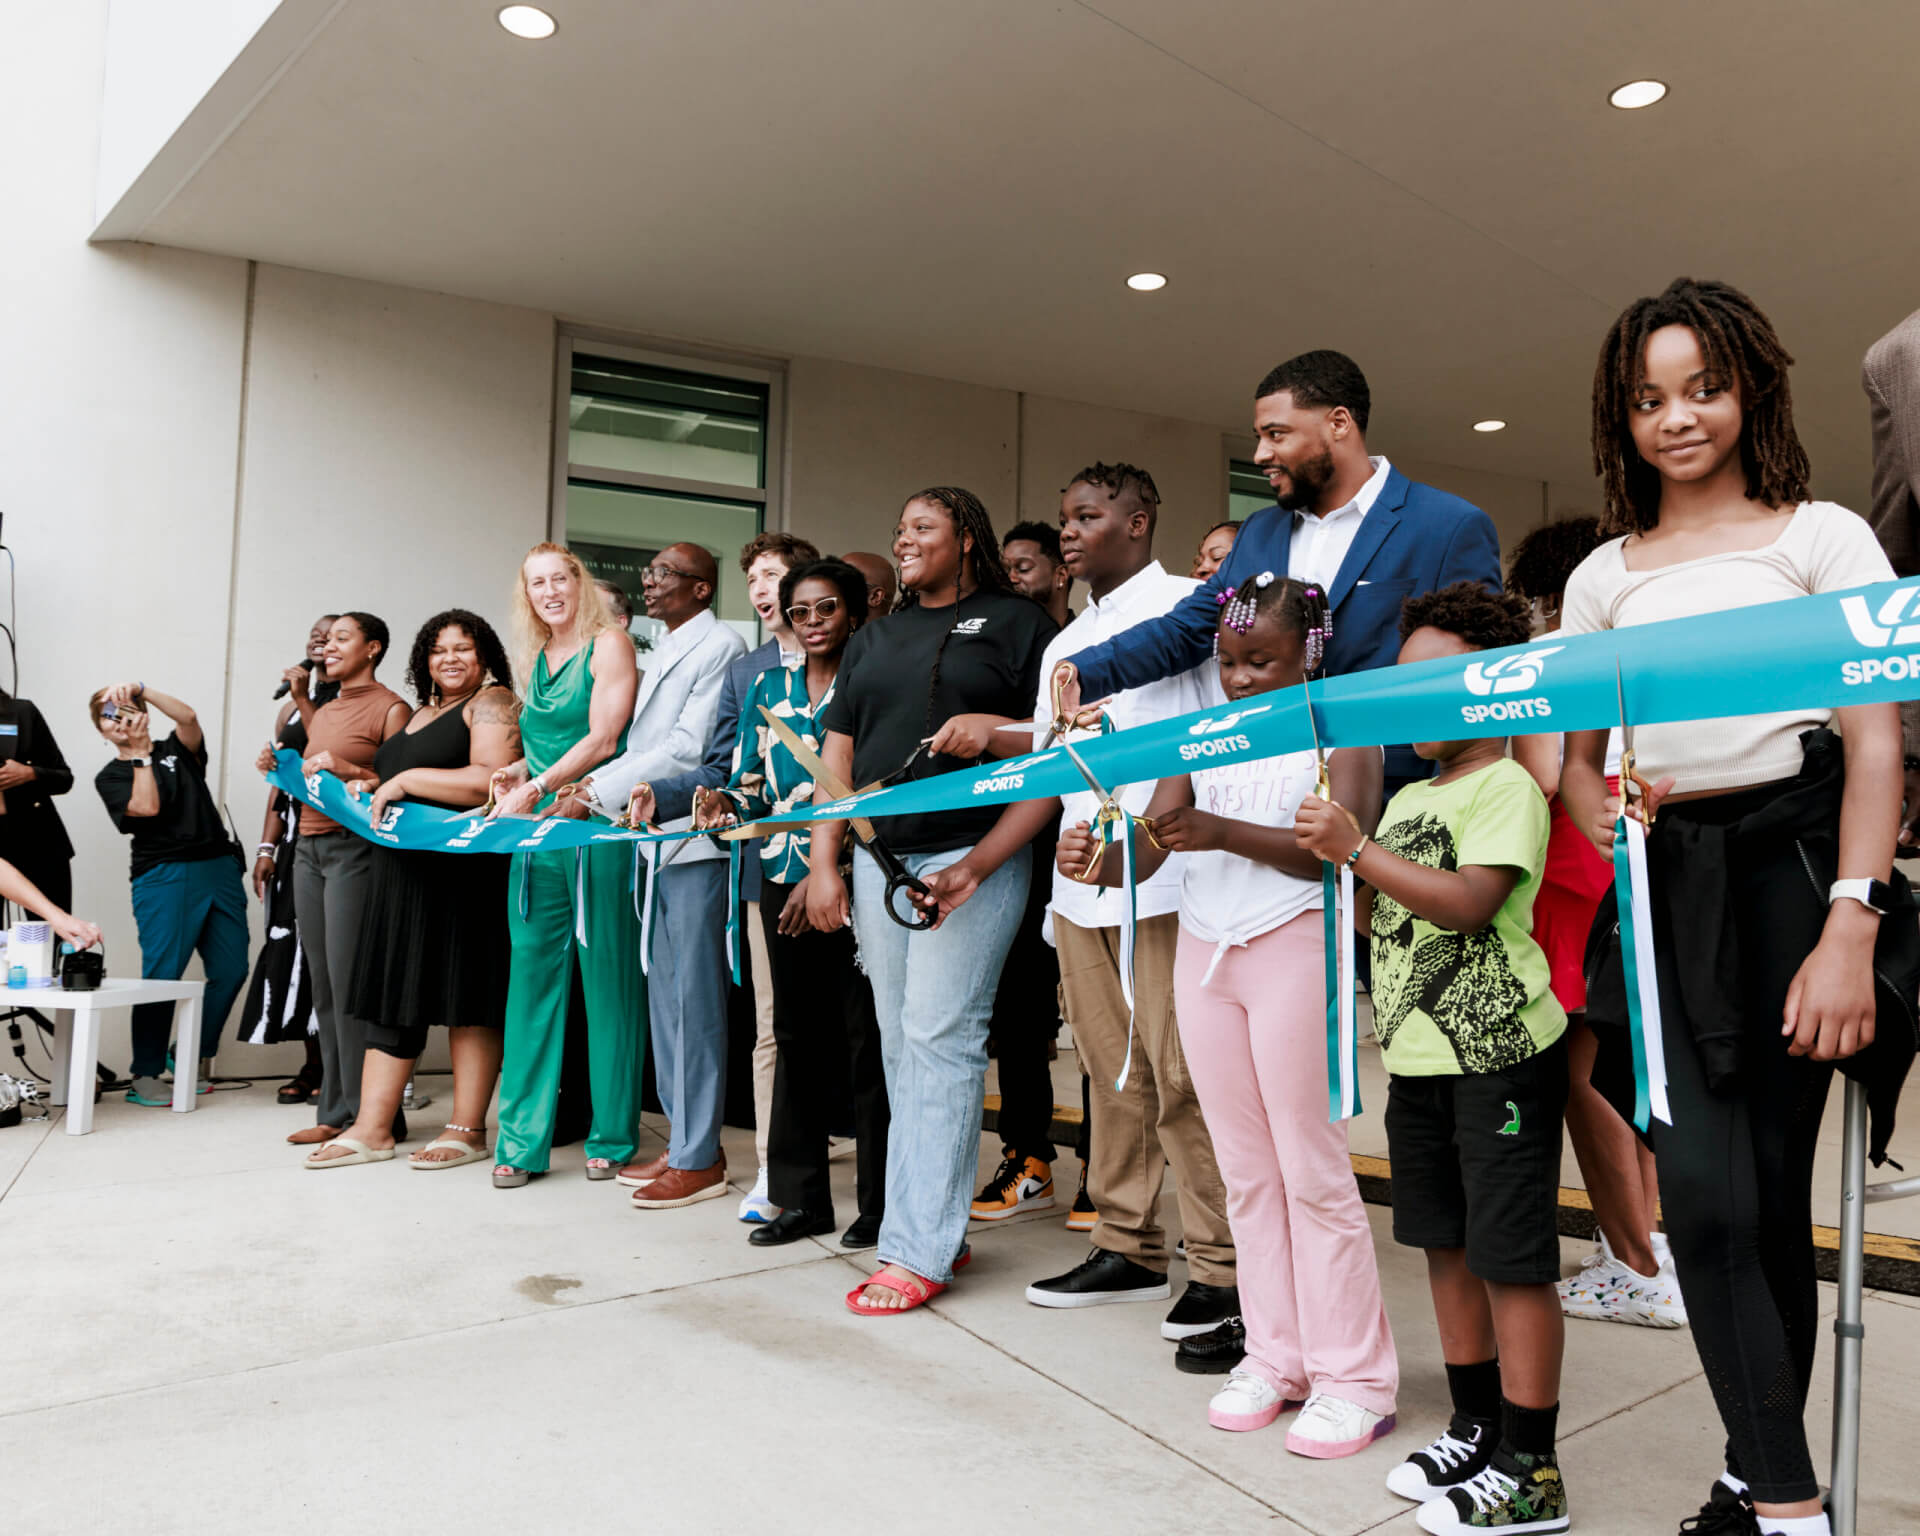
x=299 y=1090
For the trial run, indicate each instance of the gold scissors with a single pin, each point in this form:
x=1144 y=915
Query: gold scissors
x=1111 y=812
x=1322 y=784
x=1083 y=719
x=1632 y=785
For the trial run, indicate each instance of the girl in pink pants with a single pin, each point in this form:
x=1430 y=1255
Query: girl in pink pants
x=1249 y=991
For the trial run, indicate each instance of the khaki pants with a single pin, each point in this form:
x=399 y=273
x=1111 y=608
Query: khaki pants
x=1155 y=1119
x=763 y=1051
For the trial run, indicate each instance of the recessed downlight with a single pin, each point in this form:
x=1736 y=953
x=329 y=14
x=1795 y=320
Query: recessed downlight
x=527 y=21
x=1146 y=282
x=1636 y=94
x=1491 y=424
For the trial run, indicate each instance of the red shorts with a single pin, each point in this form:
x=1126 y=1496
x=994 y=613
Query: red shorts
x=1575 y=879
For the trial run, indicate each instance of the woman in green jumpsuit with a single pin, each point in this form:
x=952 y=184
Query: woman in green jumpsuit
x=580 y=685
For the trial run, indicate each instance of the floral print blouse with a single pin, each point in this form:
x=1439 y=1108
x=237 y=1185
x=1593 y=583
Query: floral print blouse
x=767 y=780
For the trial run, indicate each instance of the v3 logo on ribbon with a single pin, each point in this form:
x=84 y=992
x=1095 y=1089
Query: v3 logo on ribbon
x=1510 y=674
x=1213 y=727
x=1888 y=630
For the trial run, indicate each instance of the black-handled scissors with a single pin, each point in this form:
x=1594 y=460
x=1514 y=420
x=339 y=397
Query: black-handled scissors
x=899 y=877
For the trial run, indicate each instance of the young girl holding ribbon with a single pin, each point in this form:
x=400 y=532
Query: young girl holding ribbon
x=1767 y=840
x=1253 y=1023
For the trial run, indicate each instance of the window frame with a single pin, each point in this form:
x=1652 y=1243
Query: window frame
x=767 y=372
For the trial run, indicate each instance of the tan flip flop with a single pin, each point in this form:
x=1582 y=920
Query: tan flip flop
x=468 y=1154
x=360 y=1153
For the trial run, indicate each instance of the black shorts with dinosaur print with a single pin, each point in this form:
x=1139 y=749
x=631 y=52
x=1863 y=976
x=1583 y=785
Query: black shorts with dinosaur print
x=1476 y=1165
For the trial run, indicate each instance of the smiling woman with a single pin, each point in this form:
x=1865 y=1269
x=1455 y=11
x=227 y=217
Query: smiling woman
x=979 y=646
x=579 y=677
x=433 y=943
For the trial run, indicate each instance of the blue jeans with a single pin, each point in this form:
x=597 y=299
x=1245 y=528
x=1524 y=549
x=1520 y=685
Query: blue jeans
x=687 y=999
x=177 y=909
x=933 y=993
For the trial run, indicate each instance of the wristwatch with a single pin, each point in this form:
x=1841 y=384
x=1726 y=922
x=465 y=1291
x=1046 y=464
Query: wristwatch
x=141 y=762
x=1875 y=895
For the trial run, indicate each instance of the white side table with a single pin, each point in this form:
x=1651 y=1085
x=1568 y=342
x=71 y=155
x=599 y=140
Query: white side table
x=76 y=1038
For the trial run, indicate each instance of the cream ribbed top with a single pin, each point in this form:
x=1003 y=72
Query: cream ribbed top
x=1823 y=548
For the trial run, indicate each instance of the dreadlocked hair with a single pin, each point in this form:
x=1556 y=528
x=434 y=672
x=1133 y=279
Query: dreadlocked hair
x=1119 y=478
x=1739 y=342
x=1298 y=607
x=1545 y=558
x=492 y=655
x=1473 y=611
x=970 y=519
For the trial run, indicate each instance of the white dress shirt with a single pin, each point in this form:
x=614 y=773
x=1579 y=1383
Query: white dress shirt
x=1145 y=595
x=1321 y=543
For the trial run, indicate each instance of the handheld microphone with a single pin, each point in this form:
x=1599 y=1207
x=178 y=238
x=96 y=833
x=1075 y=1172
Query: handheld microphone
x=286 y=687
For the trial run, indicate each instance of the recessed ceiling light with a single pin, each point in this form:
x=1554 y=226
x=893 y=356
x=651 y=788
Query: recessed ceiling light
x=1146 y=282
x=527 y=21
x=1491 y=424
x=1637 y=93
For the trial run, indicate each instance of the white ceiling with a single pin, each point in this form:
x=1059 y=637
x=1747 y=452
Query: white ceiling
x=959 y=188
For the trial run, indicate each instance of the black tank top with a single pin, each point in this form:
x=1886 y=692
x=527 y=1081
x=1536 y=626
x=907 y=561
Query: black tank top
x=445 y=742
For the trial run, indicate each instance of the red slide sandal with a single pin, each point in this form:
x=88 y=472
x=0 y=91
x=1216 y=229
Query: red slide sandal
x=917 y=1291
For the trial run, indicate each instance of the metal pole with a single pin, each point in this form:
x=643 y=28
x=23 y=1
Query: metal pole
x=1847 y=1330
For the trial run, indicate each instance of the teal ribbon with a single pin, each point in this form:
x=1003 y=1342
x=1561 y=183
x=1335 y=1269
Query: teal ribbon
x=428 y=830
x=733 y=911
x=1343 y=1043
x=1642 y=981
x=1825 y=651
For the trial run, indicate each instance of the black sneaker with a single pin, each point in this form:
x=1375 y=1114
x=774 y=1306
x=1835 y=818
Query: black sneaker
x=1725 y=1513
x=1215 y=1352
x=1200 y=1309
x=1104 y=1277
x=1083 y=1215
x=1517 y=1494
x=1462 y=1452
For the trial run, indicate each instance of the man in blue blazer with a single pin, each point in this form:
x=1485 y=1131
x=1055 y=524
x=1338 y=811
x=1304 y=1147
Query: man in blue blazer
x=1367 y=534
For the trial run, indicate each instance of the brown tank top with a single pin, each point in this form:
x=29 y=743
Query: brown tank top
x=350 y=728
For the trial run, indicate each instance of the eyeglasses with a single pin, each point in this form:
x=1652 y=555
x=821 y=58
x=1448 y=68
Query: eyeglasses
x=653 y=575
x=801 y=613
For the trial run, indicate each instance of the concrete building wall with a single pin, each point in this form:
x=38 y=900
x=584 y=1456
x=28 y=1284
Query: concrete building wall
x=198 y=456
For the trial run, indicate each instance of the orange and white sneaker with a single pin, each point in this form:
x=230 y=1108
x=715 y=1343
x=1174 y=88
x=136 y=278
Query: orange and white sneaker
x=1083 y=1216
x=1018 y=1184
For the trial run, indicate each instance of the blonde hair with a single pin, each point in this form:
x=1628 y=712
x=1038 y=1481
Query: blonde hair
x=531 y=632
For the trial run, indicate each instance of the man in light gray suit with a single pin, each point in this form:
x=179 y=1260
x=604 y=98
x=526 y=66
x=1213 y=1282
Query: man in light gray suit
x=673 y=717
x=1891 y=375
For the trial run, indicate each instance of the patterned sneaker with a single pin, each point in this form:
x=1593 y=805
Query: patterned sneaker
x=1083 y=1215
x=1608 y=1290
x=1461 y=1453
x=1516 y=1494
x=1725 y=1513
x=1018 y=1184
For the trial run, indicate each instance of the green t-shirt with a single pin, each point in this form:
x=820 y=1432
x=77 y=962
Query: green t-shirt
x=1464 y=1003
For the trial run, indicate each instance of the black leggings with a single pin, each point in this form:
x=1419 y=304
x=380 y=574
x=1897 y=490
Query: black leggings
x=1736 y=1180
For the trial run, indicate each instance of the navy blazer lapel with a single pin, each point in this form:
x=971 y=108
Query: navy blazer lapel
x=1374 y=528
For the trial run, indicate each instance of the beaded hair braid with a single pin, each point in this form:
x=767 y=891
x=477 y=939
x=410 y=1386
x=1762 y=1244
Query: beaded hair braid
x=1297 y=605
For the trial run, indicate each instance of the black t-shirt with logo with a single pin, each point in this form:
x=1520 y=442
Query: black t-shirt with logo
x=887 y=700
x=187 y=828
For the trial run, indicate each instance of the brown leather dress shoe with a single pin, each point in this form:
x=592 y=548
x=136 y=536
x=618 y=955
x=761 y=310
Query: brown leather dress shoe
x=682 y=1186
x=633 y=1175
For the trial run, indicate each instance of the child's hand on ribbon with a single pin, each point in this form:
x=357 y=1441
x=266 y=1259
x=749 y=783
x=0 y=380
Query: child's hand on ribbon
x=1186 y=829
x=1075 y=850
x=1326 y=828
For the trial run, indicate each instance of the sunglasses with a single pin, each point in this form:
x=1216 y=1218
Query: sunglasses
x=801 y=613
